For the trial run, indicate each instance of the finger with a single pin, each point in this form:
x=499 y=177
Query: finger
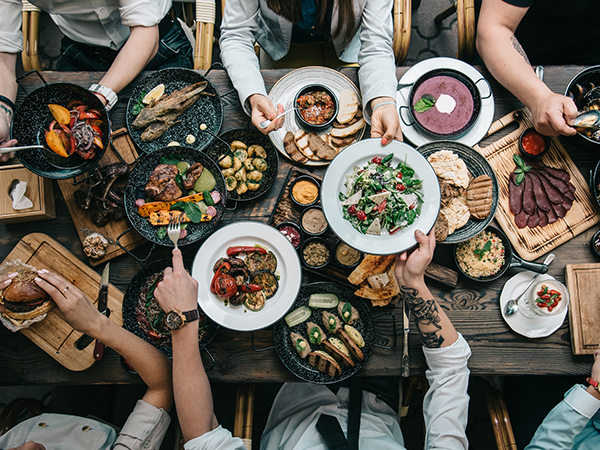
x=55 y=280
x=9 y=143
x=178 y=261
x=5 y=280
x=56 y=295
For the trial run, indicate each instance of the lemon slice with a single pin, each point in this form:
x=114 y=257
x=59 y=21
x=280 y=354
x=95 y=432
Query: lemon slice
x=154 y=94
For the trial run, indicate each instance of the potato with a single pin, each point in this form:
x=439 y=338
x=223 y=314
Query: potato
x=225 y=161
x=235 y=145
x=255 y=175
x=242 y=188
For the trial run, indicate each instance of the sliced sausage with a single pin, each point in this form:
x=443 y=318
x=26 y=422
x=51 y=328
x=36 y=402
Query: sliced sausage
x=528 y=197
x=521 y=219
x=533 y=220
x=515 y=194
x=552 y=217
x=543 y=218
x=555 y=195
x=559 y=210
x=541 y=198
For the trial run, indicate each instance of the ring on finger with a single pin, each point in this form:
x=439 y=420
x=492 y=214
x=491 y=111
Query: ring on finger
x=65 y=290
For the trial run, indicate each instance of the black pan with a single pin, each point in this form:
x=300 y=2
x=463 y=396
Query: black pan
x=248 y=137
x=138 y=178
x=288 y=354
x=510 y=260
x=130 y=301
x=32 y=119
x=586 y=79
x=207 y=110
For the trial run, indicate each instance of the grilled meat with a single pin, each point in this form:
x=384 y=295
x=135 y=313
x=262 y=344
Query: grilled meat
x=192 y=174
x=161 y=185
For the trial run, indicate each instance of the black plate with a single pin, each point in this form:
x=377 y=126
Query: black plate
x=288 y=354
x=586 y=78
x=207 y=110
x=138 y=178
x=248 y=137
x=130 y=301
x=477 y=165
x=32 y=119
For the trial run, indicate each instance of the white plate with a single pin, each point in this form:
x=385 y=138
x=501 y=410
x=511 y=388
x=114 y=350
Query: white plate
x=285 y=91
x=530 y=327
x=486 y=114
x=358 y=154
x=288 y=268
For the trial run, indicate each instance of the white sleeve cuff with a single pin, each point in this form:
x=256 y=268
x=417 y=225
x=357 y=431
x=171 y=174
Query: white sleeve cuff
x=581 y=401
x=453 y=356
x=217 y=439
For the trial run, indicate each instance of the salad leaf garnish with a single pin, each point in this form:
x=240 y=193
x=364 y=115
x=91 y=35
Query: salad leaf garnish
x=137 y=108
x=171 y=159
x=481 y=251
x=425 y=103
x=521 y=170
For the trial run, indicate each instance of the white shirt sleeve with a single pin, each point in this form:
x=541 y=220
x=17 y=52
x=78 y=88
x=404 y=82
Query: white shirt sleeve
x=145 y=13
x=145 y=428
x=217 y=439
x=11 y=38
x=445 y=406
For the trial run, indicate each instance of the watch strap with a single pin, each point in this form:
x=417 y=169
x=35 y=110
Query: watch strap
x=107 y=93
x=593 y=383
x=191 y=316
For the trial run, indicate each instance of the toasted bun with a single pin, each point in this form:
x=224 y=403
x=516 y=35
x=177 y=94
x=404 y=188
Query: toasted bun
x=42 y=309
x=356 y=352
x=22 y=292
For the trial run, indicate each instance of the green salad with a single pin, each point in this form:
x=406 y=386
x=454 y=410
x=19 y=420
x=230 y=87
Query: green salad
x=380 y=197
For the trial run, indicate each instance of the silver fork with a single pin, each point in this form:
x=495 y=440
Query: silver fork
x=174 y=230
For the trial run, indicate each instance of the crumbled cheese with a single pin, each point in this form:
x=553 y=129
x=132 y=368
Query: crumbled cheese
x=375 y=227
x=353 y=200
x=379 y=198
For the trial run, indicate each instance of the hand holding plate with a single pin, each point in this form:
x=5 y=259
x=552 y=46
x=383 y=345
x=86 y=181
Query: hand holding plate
x=385 y=122
x=410 y=268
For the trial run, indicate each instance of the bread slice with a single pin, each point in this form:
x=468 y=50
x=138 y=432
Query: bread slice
x=324 y=362
x=343 y=142
x=354 y=350
x=353 y=317
x=348 y=106
x=349 y=130
x=303 y=352
x=479 y=196
x=320 y=147
x=292 y=149
x=337 y=354
x=301 y=138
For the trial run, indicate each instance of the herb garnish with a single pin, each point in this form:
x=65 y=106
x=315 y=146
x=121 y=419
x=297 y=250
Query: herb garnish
x=521 y=169
x=137 y=108
x=481 y=251
x=425 y=103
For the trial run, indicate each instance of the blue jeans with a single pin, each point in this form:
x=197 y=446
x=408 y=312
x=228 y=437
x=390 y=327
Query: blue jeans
x=174 y=50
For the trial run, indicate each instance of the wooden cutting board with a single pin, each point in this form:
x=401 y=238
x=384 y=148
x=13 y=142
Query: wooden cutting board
x=531 y=243
x=81 y=218
x=584 y=308
x=54 y=335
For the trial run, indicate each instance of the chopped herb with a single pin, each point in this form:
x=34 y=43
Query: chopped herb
x=424 y=104
x=481 y=251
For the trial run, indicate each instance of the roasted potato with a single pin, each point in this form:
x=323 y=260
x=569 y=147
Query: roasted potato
x=240 y=175
x=253 y=185
x=231 y=183
x=225 y=161
x=237 y=164
x=255 y=175
x=260 y=164
x=240 y=154
x=228 y=173
x=248 y=164
x=235 y=145
x=241 y=188
x=257 y=150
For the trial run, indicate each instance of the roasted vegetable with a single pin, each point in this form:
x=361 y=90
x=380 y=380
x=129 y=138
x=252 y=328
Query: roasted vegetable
x=148 y=208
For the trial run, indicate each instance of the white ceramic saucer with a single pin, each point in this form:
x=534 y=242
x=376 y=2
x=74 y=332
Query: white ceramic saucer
x=530 y=327
x=481 y=125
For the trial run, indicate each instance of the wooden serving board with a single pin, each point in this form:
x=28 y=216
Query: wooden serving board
x=584 y=308
x=286 y=210
x=81 y=218
x=54 y=335
x=531 y=243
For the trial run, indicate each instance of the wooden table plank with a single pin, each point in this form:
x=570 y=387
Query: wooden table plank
x=473 y=307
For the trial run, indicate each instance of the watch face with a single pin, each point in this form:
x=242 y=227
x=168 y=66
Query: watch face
x=174 y=320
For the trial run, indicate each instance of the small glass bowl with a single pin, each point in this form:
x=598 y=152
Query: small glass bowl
x=307 y=244
x=296 y=228
x=338 y=246
x=532 y=296
x=311 y=126
x=525 y=152
x=595 y=243
x=309 y=179
x=304 y=216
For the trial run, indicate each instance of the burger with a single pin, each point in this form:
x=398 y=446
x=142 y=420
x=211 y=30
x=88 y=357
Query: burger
x=24 y=299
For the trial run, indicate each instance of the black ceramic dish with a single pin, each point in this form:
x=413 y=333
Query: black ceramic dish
x=531 y=155
x=595 y=239
x=130 y=301
x=305 y=178
x=295 y=227
x=470 y=85
x=351 y=266
x=585 y=79
x=138 y=178
x=248 y=137
x=319 y=240
x=32 y=118
x=595 y=183
x=477 y=165
x=510 y=260
x=302 y=220
x=207 y=110
x=311 y=126
x=288 y=354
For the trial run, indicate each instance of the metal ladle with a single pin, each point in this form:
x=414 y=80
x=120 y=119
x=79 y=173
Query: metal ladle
x=266 y=123
x=512 y=306
x=4 y=150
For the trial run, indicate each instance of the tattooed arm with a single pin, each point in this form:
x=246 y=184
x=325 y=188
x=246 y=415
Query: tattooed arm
x=508 y=63
x=8 y=88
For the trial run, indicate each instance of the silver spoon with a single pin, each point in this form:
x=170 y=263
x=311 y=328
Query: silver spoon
x=266 y=123
x=4 y=150
x=512 y=306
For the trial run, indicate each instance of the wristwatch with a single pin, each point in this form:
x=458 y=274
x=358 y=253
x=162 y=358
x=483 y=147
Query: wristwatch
x=176 y=319
x=595 y=384
x=108 y=94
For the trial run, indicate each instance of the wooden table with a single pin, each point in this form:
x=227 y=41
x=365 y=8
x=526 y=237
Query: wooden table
x=472 y=307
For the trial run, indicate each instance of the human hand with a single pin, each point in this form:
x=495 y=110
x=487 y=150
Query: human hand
x=29 y=445
x=5 y=281
x=552 y=113
x=177 y=290
x=596 y=367
x=4 y=136
x=263 y=109
x=385 y=121
x=410 y=268
x=74 y=306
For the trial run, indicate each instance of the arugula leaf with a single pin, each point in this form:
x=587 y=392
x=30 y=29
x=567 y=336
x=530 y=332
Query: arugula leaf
x=481 y=251
x=424 y=104
x=161 y=232
x=137 y=108
x=171 y=159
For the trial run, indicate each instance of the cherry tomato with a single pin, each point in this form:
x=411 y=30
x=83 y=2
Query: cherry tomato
x=225 y=286
x=382 y=206
x=352 y=210
x=360 y=215
x=97 y=130
x=550 y=308
x=412 y=206
x=400 y=175
x=400 y=187
x=377 y=160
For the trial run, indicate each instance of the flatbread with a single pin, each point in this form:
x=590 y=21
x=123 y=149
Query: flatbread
x=369 y=265
x=450 y=167
x=348 y=106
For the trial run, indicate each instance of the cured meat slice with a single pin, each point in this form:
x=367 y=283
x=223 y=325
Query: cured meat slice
x=515 y=194
x=533 y=220
x=559 y=210
x=552 y=217
x=571 y=186
x=541 y=198
x=558 y=173
x=528 y=197
x=555 y=195
x=570 y=195
x=521 y=219
x=543 y=218
x=567 y=204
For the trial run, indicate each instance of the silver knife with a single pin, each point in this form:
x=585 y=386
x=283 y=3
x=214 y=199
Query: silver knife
x=406 y=326
x=102 y=303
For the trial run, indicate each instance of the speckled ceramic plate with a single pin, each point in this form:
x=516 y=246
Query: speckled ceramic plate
x=288 y=354
x=130 y=301
x=477 y=165
x=207 y=110
x=138 y=178
x=248 y=137
x=286 y=89
x=32 y=118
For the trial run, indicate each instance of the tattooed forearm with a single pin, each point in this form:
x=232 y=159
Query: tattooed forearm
x=6 y=110
x=427 y=318
x=518 y=48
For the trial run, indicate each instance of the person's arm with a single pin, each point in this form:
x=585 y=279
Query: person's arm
x=570 y=420
x=79 y=312
x=377 y=72
x=8 y=89
x=507 y=62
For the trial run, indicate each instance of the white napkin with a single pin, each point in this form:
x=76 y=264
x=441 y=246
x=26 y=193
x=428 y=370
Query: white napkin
x=20 y=201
